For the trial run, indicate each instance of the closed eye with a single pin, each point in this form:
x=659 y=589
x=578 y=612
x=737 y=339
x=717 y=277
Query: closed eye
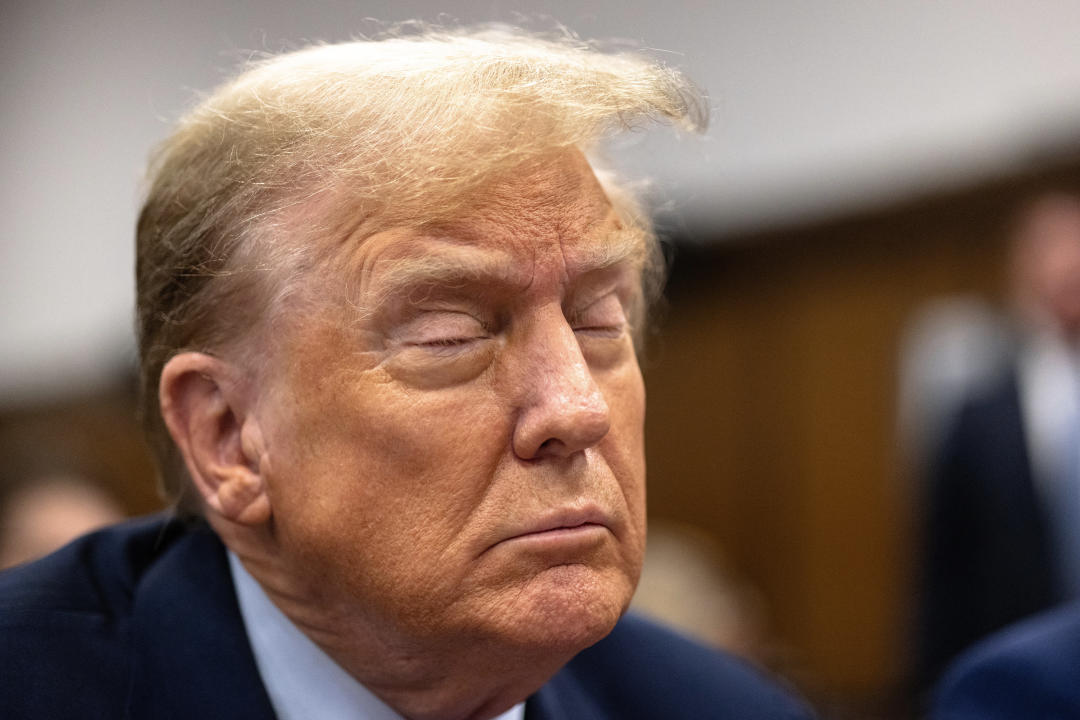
x=442 y=330
x=448 y=344
x=602 y=330
x=605 y=317
x=447 y=341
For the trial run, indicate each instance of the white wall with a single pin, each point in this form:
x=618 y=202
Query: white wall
x=819 y=106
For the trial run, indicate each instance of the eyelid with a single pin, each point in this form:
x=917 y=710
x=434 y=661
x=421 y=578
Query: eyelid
x=613 y=313
x=441 y=328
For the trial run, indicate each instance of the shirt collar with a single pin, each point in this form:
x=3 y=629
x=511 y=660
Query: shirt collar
x=302 y=681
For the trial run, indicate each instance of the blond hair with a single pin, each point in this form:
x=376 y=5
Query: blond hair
x=397 y=131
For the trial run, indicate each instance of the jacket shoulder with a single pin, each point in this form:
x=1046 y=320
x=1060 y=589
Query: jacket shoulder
x=65 y=623
x=643 y=670
x=93 y=575
x=1028 y=670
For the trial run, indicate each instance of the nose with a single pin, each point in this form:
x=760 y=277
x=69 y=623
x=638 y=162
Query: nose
x=563 y=410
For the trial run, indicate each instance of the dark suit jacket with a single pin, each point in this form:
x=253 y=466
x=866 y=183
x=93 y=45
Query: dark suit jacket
x=1028 y=672
x=141 y=621
x=988 y=556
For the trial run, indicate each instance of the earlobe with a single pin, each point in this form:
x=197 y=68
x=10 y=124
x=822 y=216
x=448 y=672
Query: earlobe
x=203 y=404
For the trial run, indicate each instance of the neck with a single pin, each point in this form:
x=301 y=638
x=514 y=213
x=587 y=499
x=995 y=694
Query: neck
x=470 y=679
x=421 y=678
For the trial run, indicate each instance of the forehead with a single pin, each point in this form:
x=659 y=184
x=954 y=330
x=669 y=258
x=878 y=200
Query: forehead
x=552 y=214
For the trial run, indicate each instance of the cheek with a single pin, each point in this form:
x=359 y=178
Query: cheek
x=625 y=445
x=376 y=473
x=626 y=402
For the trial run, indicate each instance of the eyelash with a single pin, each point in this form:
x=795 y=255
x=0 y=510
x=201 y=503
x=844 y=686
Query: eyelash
x=605 y=330
x=448 y=342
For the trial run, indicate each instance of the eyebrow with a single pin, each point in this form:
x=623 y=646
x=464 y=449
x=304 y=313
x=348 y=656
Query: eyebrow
x=495 y=266
x=622 y=246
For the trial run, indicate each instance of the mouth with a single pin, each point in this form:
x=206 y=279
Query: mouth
x=562 y=529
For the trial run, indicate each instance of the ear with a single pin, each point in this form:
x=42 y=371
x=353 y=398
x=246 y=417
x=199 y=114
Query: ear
x=204 y=404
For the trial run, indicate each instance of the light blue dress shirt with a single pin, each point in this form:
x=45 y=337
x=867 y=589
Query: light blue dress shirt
x=303 y=682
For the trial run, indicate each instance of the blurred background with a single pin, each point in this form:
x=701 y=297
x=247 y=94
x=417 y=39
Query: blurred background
x=844 y=282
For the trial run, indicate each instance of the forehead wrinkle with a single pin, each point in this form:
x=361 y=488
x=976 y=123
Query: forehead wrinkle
x=390 y=278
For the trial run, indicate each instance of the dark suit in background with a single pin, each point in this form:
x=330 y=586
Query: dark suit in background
x=141 y=621
x=988 y=556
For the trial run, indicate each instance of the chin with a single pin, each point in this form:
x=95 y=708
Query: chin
x=567 y=608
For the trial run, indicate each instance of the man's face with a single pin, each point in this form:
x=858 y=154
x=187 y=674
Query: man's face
x=454 y=426
x=1051 y=251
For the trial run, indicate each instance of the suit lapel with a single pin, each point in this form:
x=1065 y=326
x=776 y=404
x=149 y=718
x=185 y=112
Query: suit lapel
x=191 y=654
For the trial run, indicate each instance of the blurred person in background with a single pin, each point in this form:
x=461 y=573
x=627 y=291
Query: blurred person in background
x=40 y=514
x=387 y=317
x=1002 y=532
x=51 y=490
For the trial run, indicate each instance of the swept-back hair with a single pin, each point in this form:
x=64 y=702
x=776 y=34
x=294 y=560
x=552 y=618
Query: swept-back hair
x=372 y=134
